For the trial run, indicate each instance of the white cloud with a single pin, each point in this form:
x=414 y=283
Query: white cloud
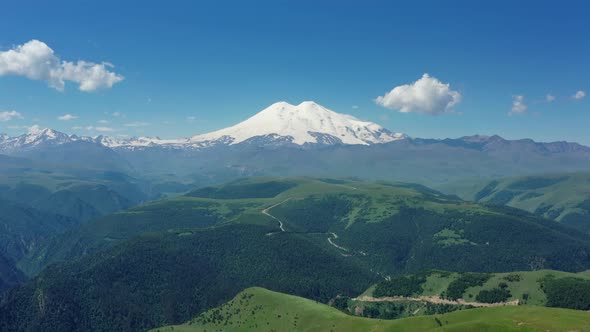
x=9 y=115
x=104 y=129
x=136 y=124
x=67 y=117
x=550 y=98
x=191 y=118
x=518 y=105
x=579 y=95
x=355 y=107
x=427 y=95
x=37 y=61
x=76 y=128
x=34 y=129
x=103 y=121
x=117 y=114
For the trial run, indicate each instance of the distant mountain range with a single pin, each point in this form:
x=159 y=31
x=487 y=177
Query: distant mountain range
x=306 y=124
x=304 y=139
x=279 y=124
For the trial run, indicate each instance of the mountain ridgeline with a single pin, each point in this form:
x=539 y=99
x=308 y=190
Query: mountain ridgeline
x=302 y=140
x=316 y=238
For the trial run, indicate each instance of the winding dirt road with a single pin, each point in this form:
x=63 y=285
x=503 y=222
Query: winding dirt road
x=265 y=212
x=282 y=226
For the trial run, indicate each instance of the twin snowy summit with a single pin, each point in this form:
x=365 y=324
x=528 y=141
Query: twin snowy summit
x=280 y=123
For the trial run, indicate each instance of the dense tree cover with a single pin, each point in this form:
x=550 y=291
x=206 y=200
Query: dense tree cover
x=579 y=218
x=458 y=286
x=9 y=274
x=314 y=214
x=400 y=286
x=341 y=302
x=112 y=229
x=512 y=277
x=238 y=189
x=405 y=242
x=22 y=228
x=572 y=293
x=395 y=310
x=494 y=295
x=439 y=308
x=166 y=278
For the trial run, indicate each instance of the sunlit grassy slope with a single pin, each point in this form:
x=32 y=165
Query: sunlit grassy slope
x=258 y=309
x=562 y=197
x=518 y=283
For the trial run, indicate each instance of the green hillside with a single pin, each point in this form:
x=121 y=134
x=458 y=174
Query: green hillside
x=258 y=309
x=317 y=238
x=526 y=287
x=562 y=197
x=389 y=228
x=169 y=277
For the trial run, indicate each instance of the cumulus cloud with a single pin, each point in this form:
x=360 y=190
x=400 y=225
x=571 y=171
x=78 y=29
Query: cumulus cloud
x=518 y=105
x=550 y=98
x=579 y=95
x=67 y=117
x=37 y=61
x=136 y=124
x=427 y=95
x=9 y=115
x=103 y=121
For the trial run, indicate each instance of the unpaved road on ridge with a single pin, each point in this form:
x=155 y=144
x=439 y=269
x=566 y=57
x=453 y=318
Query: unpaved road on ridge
x=434 y=299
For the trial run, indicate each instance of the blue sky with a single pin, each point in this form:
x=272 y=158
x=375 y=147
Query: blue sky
x=191 y=67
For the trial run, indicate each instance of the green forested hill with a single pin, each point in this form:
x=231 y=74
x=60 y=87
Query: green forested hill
x=390 y=228
x=164 y=262
x=23 y=228
x=9 y=273
x=169 y=277
x=562 y=197
x=258 y=309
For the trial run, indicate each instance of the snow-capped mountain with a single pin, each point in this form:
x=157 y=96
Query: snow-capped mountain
x=279 y=124
x=306 y=123
x=32 y=139
x=142 y=141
